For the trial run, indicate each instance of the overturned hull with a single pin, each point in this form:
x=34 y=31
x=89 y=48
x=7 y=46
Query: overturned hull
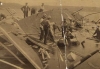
x=23 y=48
x=16 y=37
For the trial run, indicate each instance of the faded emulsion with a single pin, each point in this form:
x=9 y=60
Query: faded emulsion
x=49 y=34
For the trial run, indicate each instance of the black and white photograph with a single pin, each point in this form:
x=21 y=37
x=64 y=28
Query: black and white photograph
x=49 y=34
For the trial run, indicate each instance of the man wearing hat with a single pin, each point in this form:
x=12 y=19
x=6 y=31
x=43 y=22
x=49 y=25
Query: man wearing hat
x=68 y=36
x=46 y=28
x=97 y=32
x=33 y=11
x=41 y=8
x=42 y=20
x=64 y=27
x=25 y=10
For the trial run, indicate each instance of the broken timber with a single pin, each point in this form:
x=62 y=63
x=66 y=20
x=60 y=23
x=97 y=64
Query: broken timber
x=56 y=61
x=10 y=64
x=11 y=53
x=24 y=48
x=39 y=44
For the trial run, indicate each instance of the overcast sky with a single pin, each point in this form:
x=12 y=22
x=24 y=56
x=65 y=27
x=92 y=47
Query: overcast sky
x=89 y=3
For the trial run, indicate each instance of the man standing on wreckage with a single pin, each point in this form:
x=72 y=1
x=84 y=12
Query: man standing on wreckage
x=41 y=8
x=45 y=29
x=65 y=26
x=67 y=31
x=41 y=26
x=97 y=32
x=25 y=10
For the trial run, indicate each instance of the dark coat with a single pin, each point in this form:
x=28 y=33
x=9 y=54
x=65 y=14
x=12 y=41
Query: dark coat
x=2 y=16
x=25 y=9
x=97 y=32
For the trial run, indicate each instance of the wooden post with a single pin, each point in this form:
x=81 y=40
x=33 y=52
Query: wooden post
x=46 y=65
x=42 y=55
x=47 y=54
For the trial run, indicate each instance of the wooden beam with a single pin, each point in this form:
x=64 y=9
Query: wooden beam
x=3 y=34
x=38 y=44
x=15 y=66
x=77 y=53
x=24 y=48
x=12 y=53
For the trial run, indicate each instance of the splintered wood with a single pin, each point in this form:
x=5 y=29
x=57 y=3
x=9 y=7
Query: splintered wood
x=24 y=48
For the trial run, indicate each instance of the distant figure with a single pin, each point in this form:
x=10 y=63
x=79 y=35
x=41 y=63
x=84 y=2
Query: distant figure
x=64 y=27
x=42 y=20
x=55 y=27
x=2 y=16
x=78 y=25
x=25 y=10
x=33 y=11
x=46 y=27
x=97 y=32
x=68 y=36
x=70 y=25
x=82 y=43
x=51 y=31
x=41 y=8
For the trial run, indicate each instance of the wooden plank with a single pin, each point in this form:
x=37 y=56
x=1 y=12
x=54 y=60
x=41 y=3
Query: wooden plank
x=11 y=53
x=2 y=34
x=91 y=62
x=24 y=48
x=15 y=66
x=38 y=44
x=56 y=61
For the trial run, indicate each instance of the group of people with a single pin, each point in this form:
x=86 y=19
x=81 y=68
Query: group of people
x=67 y=31
x=25 y=9
x=47 y=29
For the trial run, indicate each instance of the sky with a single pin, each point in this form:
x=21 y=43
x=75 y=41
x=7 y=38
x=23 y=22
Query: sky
x=89 y=3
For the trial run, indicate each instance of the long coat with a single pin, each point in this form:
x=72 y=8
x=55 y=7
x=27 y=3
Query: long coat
x=25 y=9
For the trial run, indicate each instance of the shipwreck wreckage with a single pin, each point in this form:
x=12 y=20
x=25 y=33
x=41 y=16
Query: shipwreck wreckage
x=23 y=35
